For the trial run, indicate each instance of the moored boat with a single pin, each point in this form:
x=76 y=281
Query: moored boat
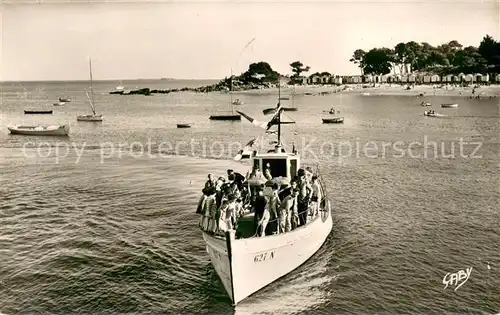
x=40 y=130
x=225 y=117
x=238 y=102
x=425 y=104
x=59 y=104
x=453 y=105
x=94 y=116
x=64 y=99
x=32 y=112
x=335 y=120
x=183 y=126
x=248 y=258
x=431 y=113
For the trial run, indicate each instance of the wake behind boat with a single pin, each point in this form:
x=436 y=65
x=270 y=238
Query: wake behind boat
x=261 y=227
x=40 y=130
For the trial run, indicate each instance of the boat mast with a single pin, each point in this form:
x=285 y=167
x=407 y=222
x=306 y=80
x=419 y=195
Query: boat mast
x=279 y=108
x=91 y=89
x=231 y=91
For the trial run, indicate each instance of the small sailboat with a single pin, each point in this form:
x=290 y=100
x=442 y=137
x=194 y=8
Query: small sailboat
x=431 y=113
x=232 y=116
x=40 y=130
x=93 y=116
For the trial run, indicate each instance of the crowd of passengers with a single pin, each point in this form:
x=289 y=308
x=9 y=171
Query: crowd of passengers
x=283 y=207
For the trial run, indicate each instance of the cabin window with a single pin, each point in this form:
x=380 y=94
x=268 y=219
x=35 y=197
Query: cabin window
x=278 y=167
x=293 y=168
x=256 y=163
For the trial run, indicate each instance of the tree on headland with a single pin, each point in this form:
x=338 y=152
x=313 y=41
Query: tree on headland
x=357 y=58
x=377 y=61
x=447 y=58
x=297 y=68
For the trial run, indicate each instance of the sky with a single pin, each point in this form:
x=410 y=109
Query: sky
x=52 y=40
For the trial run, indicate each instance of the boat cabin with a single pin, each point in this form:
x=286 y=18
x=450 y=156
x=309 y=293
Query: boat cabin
x=282 y=165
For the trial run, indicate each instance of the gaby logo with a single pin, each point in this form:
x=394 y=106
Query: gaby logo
x=455 y=278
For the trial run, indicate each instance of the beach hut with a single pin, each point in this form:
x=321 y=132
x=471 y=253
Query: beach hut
x=461 y=77
x=469 y=78
x=315 y=78
x=485 y=78
x=357 y=79
x=497 y=78
x=384 y=78
x=435 y=78
x=367 y=78
x=449 y=78
x=412 y=78
x=338 y=80
x=404 y=78
x=427 y=78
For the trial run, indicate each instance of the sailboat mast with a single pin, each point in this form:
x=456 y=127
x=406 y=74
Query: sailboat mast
x=279 y=114
x=91 y=88
x=231 y=91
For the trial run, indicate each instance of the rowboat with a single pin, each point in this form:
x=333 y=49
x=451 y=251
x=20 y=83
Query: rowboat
x=37 y=112
x=454 y=105
x=64 y=99
x=40 y=130
x=432 y=114
x=59 y=104
x=246 y=263
x=335 y=120
x=183 y=126
x=89 y=117
x=225 y=117
x=238 y=102
x=425 y=104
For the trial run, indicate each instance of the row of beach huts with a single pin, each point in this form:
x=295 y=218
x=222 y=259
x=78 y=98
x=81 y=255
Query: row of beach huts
x=327 y=78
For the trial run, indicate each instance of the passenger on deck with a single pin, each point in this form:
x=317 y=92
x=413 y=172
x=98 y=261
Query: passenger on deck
x=259 y=206
x=232 y=212
x=309 y=174
x=287 y=191
x=316 y=196
x=255 y=174
x=209 y=211
x=288 y=213
x=210 y=182
x=267 y=172
x=238 y=178
x=274 y=207
x=305 y=194
x=222 y=213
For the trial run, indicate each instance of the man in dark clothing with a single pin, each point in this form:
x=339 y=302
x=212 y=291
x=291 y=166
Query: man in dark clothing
x=259 y=207
x=238 y=178
x=305 y=192
x=287 y=191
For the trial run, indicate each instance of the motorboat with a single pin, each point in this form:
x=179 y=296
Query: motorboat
x=64 y=99
x=454 y=105
x=245 y=261
x=432 y=113
x=335 y=120
x=59 y=104
x=238 y=102
x=32 y=112
x=62 y=130
x=183 y=126
x=425 y=104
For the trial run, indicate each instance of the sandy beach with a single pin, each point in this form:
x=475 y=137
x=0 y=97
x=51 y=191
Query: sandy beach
x=383 y=89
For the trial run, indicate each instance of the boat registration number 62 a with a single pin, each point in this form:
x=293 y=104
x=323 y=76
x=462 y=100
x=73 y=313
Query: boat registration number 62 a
x=263 y=256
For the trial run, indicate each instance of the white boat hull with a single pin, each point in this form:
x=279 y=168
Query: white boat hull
x=89 y=118
x=449 y=105
x=40 y=131
x=249 y=264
